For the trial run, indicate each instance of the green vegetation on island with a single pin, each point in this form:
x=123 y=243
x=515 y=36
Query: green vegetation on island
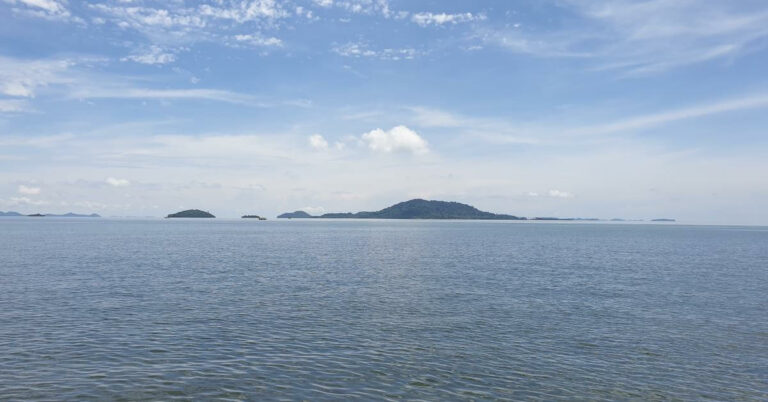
x=296 y=214
x=191 y=213
x=415 y=209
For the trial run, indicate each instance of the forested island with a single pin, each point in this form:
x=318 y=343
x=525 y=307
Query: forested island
x=191 y=213
x=414 y=209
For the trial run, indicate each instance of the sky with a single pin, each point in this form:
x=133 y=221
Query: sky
x=570 y=108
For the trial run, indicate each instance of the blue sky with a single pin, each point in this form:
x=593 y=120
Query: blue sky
x=590 y=108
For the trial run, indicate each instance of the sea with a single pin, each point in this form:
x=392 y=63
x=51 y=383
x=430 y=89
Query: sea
x=130 y=309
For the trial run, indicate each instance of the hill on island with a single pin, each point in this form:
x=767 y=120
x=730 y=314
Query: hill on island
x=191 y=213
x=296 y=214
x=415 y=209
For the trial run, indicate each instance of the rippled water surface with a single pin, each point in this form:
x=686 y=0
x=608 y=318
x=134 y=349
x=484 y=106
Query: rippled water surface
x=111 y=309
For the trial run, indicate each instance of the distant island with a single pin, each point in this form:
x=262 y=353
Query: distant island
x=663 y=220
x=414 y=209
x=297 y=214
x=261 y=218
x=191 y=213
x=10 y=213
x=67 y=215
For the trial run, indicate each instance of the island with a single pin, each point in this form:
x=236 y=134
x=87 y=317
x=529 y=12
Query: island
x=662 y=220
x=414 y=209
x=261 y=218
x=191 y=213
x=10 y=213
x=67 y=215
x=296 y=214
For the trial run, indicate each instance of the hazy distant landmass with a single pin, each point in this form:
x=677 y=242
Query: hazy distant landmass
x=191 y=213
x=662 y=220
x=261 y=218
x=67 y=215
x=72 y=215
x=415 y=209
x=10 y=213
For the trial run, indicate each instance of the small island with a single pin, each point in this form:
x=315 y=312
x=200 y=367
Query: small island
x=414 y=209
x=261 y=218
x=663 y=220
x=191 y=213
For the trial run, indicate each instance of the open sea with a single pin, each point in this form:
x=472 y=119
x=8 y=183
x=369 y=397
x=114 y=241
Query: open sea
x=94 y=309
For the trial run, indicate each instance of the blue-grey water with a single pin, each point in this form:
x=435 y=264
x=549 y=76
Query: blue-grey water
x=207 y=309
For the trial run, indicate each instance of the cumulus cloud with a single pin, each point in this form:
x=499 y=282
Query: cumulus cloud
x=27 y=190
x=324 y=3
x=426 y=19
x=398 y=139
x=317 y=141
x=154 y=55
x=115 y=182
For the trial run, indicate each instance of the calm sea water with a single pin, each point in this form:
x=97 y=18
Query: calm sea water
x=157 y=309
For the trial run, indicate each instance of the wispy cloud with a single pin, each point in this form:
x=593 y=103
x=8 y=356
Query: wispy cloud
x=29 y=190
x=15 y=106
x=48 y=9
x=115 y=182
x=153 y=55
x=22 y=78
x=656 y=119
x=218 y=95
x=257 y=40
x=362 y=50
x=427 y=18
x=638 y=38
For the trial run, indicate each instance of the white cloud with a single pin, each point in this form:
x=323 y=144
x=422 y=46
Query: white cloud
x=559 y=194
x=650 y=120
x=323 y=3
x=22 y=78
x=361 y=50
x=105 y=92
x=398 y=139
x=50 y=9
x=27 y=190
x=428 y=117
x=426 y=19
x=317 y=141
x=636 y=38
x=154 y=55
x=258 y=40
x=114 y=182
x=364 y=6
x=18 y=201
x=14 y=106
